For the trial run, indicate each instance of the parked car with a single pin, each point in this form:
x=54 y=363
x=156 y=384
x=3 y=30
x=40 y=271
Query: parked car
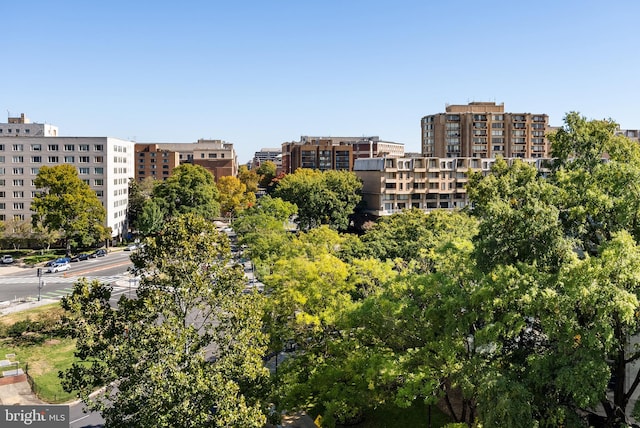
x=59 y=267
x=7 y=259
x=98 y=253
x=82 y=256
x=131 y=247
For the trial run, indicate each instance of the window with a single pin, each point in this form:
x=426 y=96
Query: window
x=99 y=193
x=18 y=194
x=83 y=171
x=83 y=159
x=53 y=159
x=35 y=171
x=83 y=147
x=69 y=147
x=201 y=155
x=2 y=147
x=36 y=147
x=98 y=182
x=69 y=159
x=36 y=159
x=98 y=159
x=18 y=159
x=18 y=147
x=3 y=206
x=53 y=147
x=18 y=182
x=222 y=155
x=213 y=155
x=18 y=171
x=98 y=147
x=98 y=170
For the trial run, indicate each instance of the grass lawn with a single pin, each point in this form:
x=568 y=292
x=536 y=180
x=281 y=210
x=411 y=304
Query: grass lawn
x=390 y=416
x=44 y=359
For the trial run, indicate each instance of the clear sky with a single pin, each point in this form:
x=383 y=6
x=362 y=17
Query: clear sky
x=259 y=73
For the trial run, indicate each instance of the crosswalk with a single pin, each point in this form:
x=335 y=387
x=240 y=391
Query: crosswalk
x=56 y=287
x=68 y=279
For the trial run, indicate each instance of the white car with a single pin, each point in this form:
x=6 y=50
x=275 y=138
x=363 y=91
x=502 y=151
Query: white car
x=58 y=267
x=7 y=259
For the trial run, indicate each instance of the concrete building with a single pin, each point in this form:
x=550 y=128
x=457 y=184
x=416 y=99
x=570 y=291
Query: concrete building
x=152 y=161
x=334 y=153
x=484 y=130
x=391 y=185
x=270 y=154
x=104 y=163
x=23 y=127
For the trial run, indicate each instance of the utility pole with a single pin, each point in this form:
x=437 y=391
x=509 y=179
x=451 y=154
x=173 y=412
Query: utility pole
x=40 y=282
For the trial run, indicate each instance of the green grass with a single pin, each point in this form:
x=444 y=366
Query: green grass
x=43 y=359
x=390 y=416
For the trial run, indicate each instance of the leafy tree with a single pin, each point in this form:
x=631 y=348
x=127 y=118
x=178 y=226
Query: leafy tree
x=267 y=172
x=234 y=196
x=16 y=232
x=139 y=193
x=67 y=204
x=328 y=197
x=249 y=178
x=187 y=352
x=151 y=218
x=189 y=189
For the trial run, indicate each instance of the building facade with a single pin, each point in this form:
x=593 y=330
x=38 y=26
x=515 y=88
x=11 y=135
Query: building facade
x=484 y=130
x=104 y=163
x=23 y=127
x=334 y=153
x=391 y=185
x=155 y=162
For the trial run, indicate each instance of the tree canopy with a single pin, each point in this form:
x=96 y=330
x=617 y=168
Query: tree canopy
x=67 y=204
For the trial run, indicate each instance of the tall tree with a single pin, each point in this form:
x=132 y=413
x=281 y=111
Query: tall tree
x=248 y=177
x=139 y=193
x=189 y=189
x=328 y=197
x=187 y=352
x=67 y=204
x=267 y=172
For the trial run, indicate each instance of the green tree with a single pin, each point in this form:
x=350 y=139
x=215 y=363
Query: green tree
x=328 y=197
x=187 y=352
x=267 y=172
x=151 y=218
x=234 y=196
x=189 y=189
x=67 y=204
x=139 y=193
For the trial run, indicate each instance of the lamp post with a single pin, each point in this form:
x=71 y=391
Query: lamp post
x=40 y=282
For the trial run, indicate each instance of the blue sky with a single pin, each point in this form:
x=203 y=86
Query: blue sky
x=258 y=73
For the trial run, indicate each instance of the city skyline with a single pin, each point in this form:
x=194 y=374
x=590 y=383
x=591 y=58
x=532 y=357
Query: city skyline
x=257 y=74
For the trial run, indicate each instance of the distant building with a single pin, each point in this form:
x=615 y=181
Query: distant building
x=23 y=127
x=217 y=156
x=334 y=153
x=271 y=154
x=152 y=161
x=484 y=130
x=391 y=185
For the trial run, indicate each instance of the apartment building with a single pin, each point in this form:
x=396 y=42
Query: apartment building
x=22 y=127
x=334 y=153
x=484 y=130
x=104 y=163
x=153 y=161
x=217 y=156
x=267 y=154
x=391 y=185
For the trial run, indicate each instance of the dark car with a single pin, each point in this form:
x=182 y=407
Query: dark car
x=98 y=253
x=82 y=256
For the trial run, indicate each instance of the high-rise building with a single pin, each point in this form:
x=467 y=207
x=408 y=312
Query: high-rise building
x=152 y=161
x=484 y=130
x=334 y=153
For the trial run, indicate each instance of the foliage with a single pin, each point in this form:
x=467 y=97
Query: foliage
x=328 y=197
x=67 y=204
x=249 y=178
x=266 y=172
x=151 y=219
x=234 y=196
x=139 y=193
x=189 y=189
x=186 y=352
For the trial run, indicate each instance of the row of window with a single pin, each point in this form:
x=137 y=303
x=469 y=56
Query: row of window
x=9 y=131
x=55 y=159
x=19 y=182
x=54 y=147
x=35 y=171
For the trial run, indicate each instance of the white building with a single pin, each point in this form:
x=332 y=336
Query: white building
x=22 y=127
x=104 y=163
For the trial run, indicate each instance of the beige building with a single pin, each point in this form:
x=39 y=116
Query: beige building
x=484 y=130
x=391 y=185
x=152 y=161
